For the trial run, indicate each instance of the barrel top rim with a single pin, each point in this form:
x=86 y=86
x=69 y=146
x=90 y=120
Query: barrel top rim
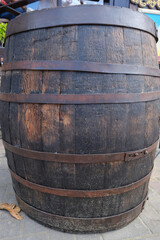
x=78 y=15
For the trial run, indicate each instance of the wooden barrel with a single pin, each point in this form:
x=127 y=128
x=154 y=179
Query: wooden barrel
x=80 y=122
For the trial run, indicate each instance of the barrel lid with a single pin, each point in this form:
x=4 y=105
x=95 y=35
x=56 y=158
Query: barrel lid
x=82 y=15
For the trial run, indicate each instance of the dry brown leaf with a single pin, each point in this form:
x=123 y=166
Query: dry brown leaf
x=13 y=210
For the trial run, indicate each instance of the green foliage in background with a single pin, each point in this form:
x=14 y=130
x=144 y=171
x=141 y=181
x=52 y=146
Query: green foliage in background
x=3 y=27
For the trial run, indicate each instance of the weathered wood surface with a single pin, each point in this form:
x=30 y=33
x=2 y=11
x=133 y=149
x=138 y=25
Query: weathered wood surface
x=81 y=129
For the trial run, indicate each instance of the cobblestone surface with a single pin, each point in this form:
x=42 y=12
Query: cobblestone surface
x=145 y=227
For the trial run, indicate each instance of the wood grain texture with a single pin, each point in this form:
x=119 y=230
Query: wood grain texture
x=5 y=120
x=83 y=207
x=81 y=129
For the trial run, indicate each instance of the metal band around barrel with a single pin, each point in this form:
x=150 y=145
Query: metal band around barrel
x=71 y=99
x=85 y=224
x=81 y=66
x=80 y=193
x=82 y=15
x=78 y=158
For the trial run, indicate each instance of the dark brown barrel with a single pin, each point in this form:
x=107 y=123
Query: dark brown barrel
x=80 y=122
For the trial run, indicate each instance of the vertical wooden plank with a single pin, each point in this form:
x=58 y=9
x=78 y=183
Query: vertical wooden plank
x=47 y=44
x=83 y=207
x=30 y=135
x=101 y=128
x=122 y=173
x=56 y=204
x=114 y=83
x=69 y=43
x=35 y=171
x=110 y=205
x=6 y=52
x=5 y=124
x=91 y=129
x=67 y=129
x=151 y=123
x=67 y=115
x=50 y=112
x=115 y=113
x=90 y=176
x=14 y=122
x=67 y=112
x=114 y=44
x=91 y=125
x=31 y=82
x=116 y=134
x=150 y=84
x=53 y=175
x=87 y=83
x=128 y=200
x=51 y=84
x=136 y=121
x=30 y=124
x=67 y=143
x=156 y=121
x=91 y=43
x=23 y=46
x=149 y=51
x=135 y=127
x=30 y=114
x=14 y=113
x=116 y=174
x=50 y=129
x=40 y=44
x=132 y=43
x=10 y=56
x=155 y=83
x=5 y=87
x=135 y=84
x=53 y=44
x=69 y=176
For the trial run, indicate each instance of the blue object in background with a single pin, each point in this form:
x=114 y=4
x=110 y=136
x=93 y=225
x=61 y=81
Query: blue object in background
x=34 y=5
x=155 y=18
x=10 y=16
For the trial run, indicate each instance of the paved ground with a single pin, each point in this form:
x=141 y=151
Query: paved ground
x=145 y=227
